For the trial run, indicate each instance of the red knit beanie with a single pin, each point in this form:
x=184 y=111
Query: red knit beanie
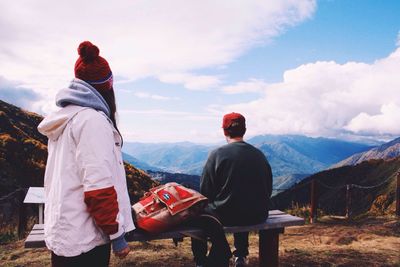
x=234 y=121
x=92 y=68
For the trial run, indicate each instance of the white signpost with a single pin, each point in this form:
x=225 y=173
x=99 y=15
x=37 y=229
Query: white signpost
x=35 y=195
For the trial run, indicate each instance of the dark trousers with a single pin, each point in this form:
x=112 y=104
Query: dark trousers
x=220 y=252
x=241 y=242
x=99 y=256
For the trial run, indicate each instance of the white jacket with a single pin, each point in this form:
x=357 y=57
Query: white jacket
x=84 y=156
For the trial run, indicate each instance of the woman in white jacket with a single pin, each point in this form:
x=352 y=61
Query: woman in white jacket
x=87 y=202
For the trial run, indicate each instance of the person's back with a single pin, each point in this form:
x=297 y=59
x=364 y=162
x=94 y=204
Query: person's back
x=237 y=180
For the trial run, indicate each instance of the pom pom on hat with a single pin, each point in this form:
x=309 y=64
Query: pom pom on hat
x=87 y=51
x=92 y=68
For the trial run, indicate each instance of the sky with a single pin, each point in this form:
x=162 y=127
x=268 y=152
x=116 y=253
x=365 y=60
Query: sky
x=328 y=68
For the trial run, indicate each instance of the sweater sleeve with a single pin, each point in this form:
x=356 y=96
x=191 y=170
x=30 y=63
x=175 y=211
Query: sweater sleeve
x=95 y=157
x=269 y=179
x=207 y=187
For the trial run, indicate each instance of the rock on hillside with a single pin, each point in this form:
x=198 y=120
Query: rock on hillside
x=386 y=151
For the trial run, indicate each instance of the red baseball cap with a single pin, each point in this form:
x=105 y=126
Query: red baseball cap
x=235 y=120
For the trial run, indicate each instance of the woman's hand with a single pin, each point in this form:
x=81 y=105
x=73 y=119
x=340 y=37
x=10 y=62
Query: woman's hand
x=123 y=253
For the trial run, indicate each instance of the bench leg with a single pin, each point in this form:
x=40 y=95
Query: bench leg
x=269 y=247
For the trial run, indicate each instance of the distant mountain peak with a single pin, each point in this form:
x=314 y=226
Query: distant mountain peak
x=385 y=151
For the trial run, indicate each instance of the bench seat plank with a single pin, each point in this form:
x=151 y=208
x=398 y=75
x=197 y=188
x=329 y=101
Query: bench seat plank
x=277 y=219
x=38 y=227
x=273 y=222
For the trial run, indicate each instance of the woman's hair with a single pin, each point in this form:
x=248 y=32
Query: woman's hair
x=109 y=97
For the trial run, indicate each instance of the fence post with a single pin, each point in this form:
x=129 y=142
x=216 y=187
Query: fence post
x=348 y=201
x=22 y=218
x=398 y=194
x=314 y=202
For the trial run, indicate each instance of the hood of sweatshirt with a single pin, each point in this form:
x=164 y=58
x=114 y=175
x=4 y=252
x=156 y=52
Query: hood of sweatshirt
x=82 y=94
x=53 y=125
x=78 y=96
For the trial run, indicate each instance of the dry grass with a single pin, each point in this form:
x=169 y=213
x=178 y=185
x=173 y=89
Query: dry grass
x=331 y=242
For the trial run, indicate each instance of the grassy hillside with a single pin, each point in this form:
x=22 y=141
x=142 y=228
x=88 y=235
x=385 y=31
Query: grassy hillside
x=332 y=188
x=23 y=154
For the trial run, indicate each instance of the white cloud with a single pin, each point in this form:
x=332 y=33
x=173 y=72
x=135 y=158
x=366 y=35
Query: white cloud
x=250 y=86
x=139 y=38
x=386 y=122
x=190 y=81
x=154 y=96
x=161 y=125
x=169 y=114
x=330 y=99
x=14 y=93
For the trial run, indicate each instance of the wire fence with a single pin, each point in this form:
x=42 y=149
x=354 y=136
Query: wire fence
x=339 y=199
x=12 y=194
x=314 y=193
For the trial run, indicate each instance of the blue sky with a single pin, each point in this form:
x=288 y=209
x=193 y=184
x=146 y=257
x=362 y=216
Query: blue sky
x=318 y=68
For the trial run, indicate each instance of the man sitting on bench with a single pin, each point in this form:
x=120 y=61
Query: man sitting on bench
x=237 y=180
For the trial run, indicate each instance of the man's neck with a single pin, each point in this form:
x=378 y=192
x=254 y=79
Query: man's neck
x=234 y=139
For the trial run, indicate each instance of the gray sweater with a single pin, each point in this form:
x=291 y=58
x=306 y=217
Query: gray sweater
x=237 y=179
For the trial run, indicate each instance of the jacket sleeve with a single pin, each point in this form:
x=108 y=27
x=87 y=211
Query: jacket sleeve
x=95 y=157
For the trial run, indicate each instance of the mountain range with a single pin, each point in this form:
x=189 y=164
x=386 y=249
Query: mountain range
x=385 y=151
x=190 y=181
x=287 y=154
x=182 y=157
x=138 y=163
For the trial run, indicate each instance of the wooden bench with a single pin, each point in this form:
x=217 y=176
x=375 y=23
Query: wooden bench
x=35 y=195
x=268 y=235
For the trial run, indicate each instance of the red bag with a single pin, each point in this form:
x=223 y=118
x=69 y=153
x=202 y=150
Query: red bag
x=166 y=206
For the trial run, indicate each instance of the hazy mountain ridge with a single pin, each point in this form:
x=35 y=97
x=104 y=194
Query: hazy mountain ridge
x=324 y=150
x=138 y=163
x=288 y=154
x=191 y=181
x=385 y=151
x=182 y=157
x=286 y=181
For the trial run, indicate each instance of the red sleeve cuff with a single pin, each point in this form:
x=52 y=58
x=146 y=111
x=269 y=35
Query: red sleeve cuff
x=102 y=205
